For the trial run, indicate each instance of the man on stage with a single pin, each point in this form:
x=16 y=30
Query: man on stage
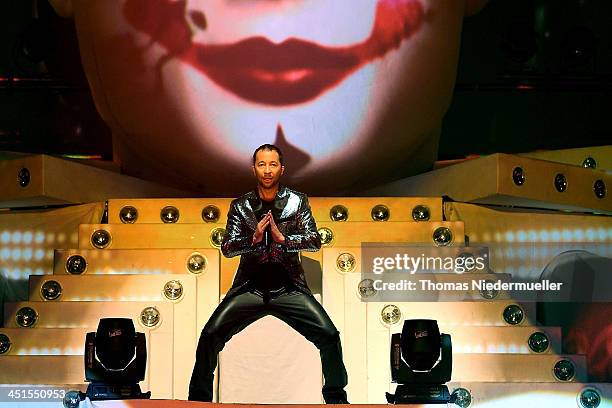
x=268 y=227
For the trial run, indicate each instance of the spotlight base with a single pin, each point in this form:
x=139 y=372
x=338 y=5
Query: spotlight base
x=97 y=391
x=419 y=394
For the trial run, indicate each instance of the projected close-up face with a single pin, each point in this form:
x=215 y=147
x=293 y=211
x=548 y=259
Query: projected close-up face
x=352 y=91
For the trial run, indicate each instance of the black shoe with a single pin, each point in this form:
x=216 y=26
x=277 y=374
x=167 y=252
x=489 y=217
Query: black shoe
x=337 y=401
x=336 y=396
x=199 y=396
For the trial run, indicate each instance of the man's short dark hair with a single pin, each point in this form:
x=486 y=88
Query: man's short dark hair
x=272 y=148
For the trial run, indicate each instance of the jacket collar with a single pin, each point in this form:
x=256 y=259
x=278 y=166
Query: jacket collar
x=280 y=201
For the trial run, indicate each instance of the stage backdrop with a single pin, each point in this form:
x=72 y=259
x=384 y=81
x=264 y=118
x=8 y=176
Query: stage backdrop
x=353 y=91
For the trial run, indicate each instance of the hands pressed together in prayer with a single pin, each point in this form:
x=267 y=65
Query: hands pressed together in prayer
x=277 y=236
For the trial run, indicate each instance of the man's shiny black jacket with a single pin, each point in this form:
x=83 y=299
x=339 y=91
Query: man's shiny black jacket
x=293 y=218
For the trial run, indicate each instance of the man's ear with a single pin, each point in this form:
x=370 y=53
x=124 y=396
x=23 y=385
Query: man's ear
x=474 y=6
x=63 y=7
x=282 y=170
x=254 y=172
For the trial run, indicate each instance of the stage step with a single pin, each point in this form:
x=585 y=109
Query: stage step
x=509 y=180
x=170 y=349
x=138 y=261
x=495 y=339
x=176 y=236
x=87 y=314
x=195 y=303
x=577 y=156
x=190 y=210
x=33 y=342
x=482 y=395
x=205 y=264
x=57 y=370
x=124 y=236
x=523 y=243
x=343 y=303
x=536 y=394
x=493 y=368
x=489 y=313
x=53 y=180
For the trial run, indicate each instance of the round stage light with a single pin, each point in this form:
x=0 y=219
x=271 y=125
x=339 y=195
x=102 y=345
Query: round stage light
x=442 y=236
x=216 y=236
x=23 y=177
x=26 y=317
x=461 y=397
x=345 y=262
x=128 y=214
x=150 y=316
x=538 y=342
x=327 y=236
x=339 y=213
x=391 y=314
x=71 y=399
x=380 y=212
x=564 y=370
x=420 y=213
x=100 y=239
x=589 y=163
x=51 y=290
x=211 y=213
x=599 y=187
x=560 y=182
x=196 y=263
x=169 y=214
x=366 y=288
x=590 y=398
x=5 y=343
x=76 y=265
x=489 y=294
x=173 y=290
x=518 y=176
x=513 y=314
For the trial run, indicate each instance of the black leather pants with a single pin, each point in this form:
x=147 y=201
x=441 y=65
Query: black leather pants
x=299 y=310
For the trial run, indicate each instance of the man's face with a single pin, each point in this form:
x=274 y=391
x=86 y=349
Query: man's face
x=267 y=168
x=190 y=88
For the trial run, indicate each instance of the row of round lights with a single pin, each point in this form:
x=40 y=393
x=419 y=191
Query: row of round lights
x=560 y=182
x=513 y=315
x=211 y=213
x=442 y=236
x=588 y=398
x=379 y=212
x=149 y=317
x=169 y=214
x=52 y=290
x=77 y=265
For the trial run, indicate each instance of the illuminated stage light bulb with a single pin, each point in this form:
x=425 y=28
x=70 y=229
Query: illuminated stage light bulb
x=442 y=236
x=128 y=214
x=100 y=239
x=211 y=213
x=169 y=214
x=513 y=314
x=380 y=212
x=196 y=263
x=339 y=213
x=421 y=213
x=346 y=262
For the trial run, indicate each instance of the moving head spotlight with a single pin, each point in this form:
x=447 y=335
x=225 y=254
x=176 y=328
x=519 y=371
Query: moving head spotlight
x=115 y=361
x=421 y=362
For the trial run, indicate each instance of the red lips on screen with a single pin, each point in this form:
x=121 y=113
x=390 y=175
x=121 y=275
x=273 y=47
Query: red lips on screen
x=255 y=69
